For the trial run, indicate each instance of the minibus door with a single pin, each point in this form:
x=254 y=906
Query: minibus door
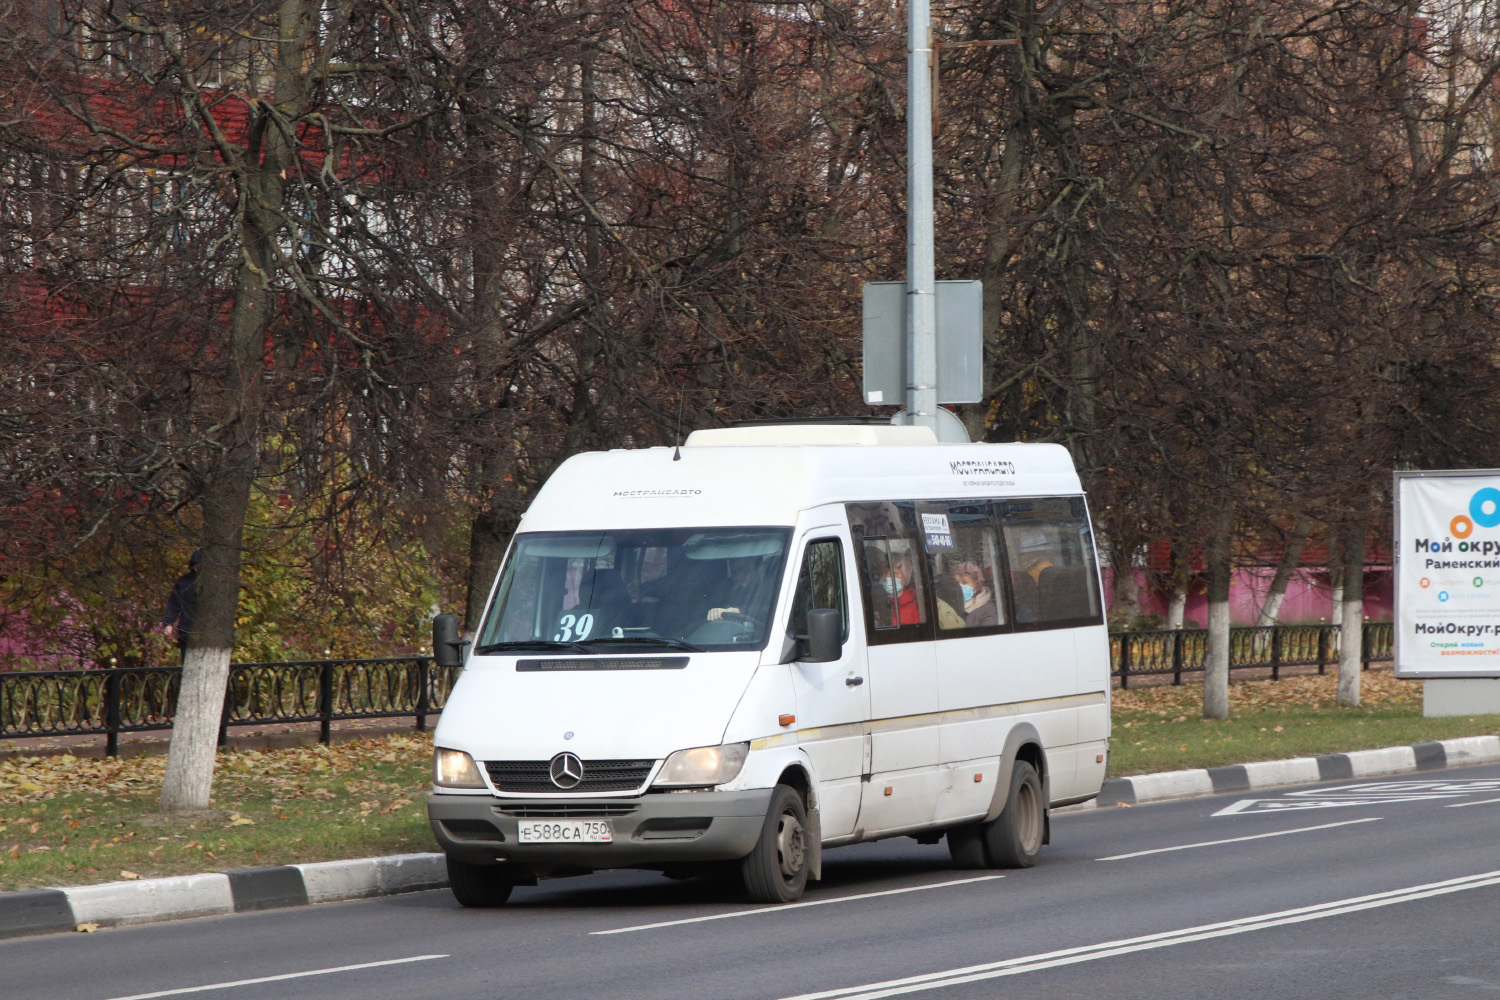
x=833 y=698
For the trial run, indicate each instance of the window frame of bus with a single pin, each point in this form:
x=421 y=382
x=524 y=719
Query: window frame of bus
x=1079 y=513
x=1002 y=586
x=843 y=577
x=922 y=631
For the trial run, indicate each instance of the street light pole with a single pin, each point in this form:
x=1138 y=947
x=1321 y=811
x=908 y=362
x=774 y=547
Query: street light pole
x=921 y=265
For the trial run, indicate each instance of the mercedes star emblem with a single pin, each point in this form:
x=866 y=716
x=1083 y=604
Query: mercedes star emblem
x=566 y=770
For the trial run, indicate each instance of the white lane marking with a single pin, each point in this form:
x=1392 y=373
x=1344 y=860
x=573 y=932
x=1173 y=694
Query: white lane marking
x=791 y=906
x=1235 y=840
x=1165 y=939
x=273 y=979
x=1368 y=794
x=1485 y=802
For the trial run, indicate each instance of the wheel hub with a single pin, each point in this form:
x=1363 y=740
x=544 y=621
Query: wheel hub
x=791 y=845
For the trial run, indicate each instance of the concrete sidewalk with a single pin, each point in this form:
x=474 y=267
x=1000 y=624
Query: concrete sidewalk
x=111 y=904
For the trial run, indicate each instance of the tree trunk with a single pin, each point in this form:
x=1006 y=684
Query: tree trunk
x=1216 y=663
x=488 y=534
x=1177 y=607
x=1290 y=556
x=188 y=781
x=1352 y=627
x=261 y=176
x=1179 y=578
x=1127 y=593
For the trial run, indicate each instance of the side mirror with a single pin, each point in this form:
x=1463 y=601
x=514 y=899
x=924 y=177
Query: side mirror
x=825 y=628
x=447 y=647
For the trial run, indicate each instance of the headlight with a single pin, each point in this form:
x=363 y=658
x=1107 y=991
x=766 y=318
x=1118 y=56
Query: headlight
x=703 y=766
x=455 y=769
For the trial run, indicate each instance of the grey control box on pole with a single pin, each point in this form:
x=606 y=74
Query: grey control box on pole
x=960 y=342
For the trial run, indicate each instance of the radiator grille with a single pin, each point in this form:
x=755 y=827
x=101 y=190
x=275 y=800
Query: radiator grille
x=527 y=776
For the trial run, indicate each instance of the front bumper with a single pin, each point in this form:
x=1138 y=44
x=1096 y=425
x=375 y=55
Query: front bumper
x=648 y=830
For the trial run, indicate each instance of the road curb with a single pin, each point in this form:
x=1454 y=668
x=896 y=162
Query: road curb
x=1297 y=771
x=144 y=901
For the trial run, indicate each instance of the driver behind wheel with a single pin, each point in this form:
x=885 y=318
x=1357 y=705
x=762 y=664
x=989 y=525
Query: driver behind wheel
x=737 y=591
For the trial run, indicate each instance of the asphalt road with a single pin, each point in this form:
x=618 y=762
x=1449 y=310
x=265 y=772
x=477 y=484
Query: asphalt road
x=1376 y=888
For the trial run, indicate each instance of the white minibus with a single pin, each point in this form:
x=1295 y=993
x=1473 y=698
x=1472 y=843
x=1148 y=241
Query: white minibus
x=731 y=656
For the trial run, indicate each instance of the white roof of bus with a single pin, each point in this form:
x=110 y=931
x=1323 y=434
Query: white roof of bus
x=716 y=482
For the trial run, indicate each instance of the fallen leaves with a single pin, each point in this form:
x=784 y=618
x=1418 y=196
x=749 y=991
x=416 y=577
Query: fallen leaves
x=317 y=773
x=1378 y=687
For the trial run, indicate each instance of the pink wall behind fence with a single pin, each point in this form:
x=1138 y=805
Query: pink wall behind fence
x=1307 y=596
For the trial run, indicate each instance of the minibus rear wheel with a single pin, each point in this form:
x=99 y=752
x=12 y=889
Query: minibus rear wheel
x=776 y=870
x=1014 y=839
x=479 y=885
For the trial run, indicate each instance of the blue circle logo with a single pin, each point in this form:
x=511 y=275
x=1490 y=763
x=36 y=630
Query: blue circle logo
x=1484 y=507
x=1442 y=595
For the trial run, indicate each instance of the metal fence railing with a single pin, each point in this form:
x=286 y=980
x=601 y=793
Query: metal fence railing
x=119 y=700
x=108 y=702
x=1176 y=652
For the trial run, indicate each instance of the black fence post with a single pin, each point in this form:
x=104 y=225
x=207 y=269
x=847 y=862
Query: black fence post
x=112 y=713
x=424 y=676
x=325 y=702
x=1322 y=648
x=227 y=709
x=1364 y=646
x=1124 y=660
x=1275 y=652
x=1177 y=657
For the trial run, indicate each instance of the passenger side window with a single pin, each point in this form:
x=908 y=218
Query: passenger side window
x=890 y=570
x=963 y=553
x=820 y=584
x=1050 y=554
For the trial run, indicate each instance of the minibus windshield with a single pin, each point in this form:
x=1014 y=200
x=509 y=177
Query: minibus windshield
x=661 y=588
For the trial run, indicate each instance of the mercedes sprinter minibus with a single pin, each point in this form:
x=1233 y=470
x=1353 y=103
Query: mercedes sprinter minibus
x=776 y=640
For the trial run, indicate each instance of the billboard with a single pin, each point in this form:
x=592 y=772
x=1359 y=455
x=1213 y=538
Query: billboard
x=1447 y=568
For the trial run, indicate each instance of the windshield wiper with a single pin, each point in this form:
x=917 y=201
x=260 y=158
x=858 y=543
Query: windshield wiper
x=534 y=646
x=646 y=640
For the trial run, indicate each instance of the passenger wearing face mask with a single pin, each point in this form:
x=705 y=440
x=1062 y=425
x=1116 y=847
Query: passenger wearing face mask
x=896 y=579
x=980 y=609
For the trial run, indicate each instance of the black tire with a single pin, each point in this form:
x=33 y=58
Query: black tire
x=966 y=846
x=776 y=870
x=479 y=885
x=1014 y=839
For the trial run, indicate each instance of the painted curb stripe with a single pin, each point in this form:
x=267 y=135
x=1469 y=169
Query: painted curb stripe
x=266 y=888
x=1231 y=778
x=1335 y=767
x=1430 y=756
x=1117 y=791
x=42 y=911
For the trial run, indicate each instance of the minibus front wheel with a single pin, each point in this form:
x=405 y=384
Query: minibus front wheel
x=479 y=885
x=776 y=870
